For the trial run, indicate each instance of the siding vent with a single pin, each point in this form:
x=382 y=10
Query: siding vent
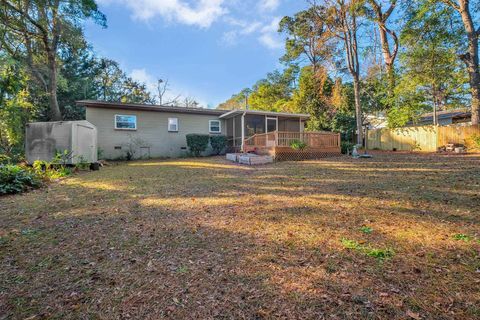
x=118 y=147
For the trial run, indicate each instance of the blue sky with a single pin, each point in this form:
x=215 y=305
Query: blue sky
x=208 y=49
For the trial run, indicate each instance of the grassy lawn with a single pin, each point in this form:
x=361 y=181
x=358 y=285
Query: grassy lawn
x=394 y=237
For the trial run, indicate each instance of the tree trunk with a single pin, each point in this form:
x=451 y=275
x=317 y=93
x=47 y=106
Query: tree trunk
x=435 y=105
x=474 y=78
x=471 y=60
x=388 y=58
x=55 y=114
x=388 y=53
x=475 y=89
x=358 y=109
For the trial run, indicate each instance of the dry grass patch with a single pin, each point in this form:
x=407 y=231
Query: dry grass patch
x=393 y=237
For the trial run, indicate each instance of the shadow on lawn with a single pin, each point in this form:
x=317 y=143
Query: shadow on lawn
x=152 y=262
x=432 y=184
x=171 y=241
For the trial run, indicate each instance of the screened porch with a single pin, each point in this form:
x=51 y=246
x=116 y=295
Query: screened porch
x=243 y=124
x=275 y=134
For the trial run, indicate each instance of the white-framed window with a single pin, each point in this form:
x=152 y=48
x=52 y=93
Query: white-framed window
x=215 y=126
x=125 y=122
x=173 y=124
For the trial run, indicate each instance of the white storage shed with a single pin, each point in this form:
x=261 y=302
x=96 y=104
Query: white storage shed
x=44 y=139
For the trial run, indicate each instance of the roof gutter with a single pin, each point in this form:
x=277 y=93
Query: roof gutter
x=229 y=113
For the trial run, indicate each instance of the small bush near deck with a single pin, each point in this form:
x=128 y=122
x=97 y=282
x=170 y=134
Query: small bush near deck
x=197 y=143
x=298 y=145
x=16 y=179
x=218 y=143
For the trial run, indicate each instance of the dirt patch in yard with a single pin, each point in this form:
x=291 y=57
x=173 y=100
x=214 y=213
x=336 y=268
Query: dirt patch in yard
x=393 y=237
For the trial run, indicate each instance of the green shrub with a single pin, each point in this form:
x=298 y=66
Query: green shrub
x=476 y=141
x=16 y=179
x=298 y=145
x=197 y=143
x=133 y=146
x=218 y=143
x=347 y=146
x=82 y=163
x=4 y=159
x=100 y=154
x=62 y=157
x=50 y=170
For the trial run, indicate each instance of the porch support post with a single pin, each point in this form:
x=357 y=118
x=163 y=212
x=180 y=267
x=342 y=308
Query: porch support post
x=234 y=136
x=243 y=131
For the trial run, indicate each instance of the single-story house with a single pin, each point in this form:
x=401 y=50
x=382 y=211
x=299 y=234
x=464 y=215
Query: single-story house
x=444 y=118
x=376 y=120
x=161 y=131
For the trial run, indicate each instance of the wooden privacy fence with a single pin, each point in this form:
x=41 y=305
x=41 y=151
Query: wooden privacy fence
x=424 y=138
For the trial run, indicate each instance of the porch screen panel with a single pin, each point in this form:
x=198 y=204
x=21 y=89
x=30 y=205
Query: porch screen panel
x=229 y=123
x=238 y=130
x=254 y=124
x=289 y=125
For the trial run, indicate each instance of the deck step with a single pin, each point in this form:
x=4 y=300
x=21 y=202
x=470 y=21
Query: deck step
x=249 y=158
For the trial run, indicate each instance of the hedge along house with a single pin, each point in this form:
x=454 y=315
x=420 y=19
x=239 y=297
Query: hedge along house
x=160 y=131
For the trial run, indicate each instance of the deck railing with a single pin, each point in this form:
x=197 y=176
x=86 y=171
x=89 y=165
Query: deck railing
x=285 y=139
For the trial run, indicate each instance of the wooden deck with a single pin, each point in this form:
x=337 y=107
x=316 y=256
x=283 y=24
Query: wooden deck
x=278 y=144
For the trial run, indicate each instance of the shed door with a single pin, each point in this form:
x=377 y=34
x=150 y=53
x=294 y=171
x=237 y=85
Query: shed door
x=85 y=143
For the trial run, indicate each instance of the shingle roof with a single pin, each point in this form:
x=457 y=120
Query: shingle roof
x=176 y=109
x=231 y=113
x=147 y=107
x=446 y=114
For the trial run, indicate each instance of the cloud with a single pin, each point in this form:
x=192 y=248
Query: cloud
x=230 y=38
x=269 y=35
x=243 y=28
x=142 y=76
x=265 y=32
x=268 y=5
x=270 y=41
x=203 y=14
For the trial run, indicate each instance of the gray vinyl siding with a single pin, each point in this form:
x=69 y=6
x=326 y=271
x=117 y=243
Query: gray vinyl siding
x=152 y=127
